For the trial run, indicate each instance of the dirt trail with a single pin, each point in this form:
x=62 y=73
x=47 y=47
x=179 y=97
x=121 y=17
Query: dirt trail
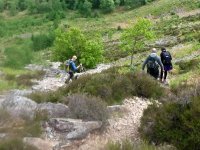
x=120 y=127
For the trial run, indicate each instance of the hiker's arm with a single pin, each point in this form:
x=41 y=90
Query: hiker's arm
x=145 y=62
x=74 y=66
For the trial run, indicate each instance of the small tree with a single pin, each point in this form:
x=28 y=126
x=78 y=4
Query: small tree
x=134 y=38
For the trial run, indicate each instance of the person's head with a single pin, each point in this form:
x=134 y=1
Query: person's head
x=163 y=49
x=74 y=58
x=153 y=50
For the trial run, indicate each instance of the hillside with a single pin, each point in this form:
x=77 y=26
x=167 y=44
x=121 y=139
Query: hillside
x=112 y=104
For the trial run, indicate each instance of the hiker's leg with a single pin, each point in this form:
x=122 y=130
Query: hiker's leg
x=165 y=75
x=161 y=75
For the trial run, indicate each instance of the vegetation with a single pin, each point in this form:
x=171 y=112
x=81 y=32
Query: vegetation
x=87 y=108
x=175 y=123
x=134 y=38
x=74 y=42
x=111 y=86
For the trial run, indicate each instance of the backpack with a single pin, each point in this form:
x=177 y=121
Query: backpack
x=151 y=64
x=67 y=64
x=166 y=58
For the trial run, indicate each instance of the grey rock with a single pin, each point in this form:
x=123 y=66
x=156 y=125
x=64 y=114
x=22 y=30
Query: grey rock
x=54 y=110
x=73 y=128
x=20 y=92
x=34 y=67
x=116 y=109
x=18 y=106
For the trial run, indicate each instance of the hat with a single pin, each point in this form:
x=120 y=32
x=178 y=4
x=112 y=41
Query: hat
x=154 y=50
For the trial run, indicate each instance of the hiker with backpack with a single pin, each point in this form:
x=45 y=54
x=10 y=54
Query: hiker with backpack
x=166 y=59
x=153 y=62
x=71 y=67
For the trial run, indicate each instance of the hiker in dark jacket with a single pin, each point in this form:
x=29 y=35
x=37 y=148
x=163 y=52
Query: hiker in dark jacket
x=166 y=60
x=72 y=68
x=153 y=62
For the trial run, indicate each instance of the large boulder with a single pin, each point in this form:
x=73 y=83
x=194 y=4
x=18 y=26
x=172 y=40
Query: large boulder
x=73 y=129
x=18 y=106
x=54 y=110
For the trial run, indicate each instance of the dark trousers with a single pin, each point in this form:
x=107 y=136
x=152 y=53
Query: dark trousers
x=165 y=75
x=153 y=72
x=71 y=74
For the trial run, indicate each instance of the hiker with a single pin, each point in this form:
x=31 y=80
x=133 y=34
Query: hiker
x=153 y=62
x=166 y=59
x=72 y=68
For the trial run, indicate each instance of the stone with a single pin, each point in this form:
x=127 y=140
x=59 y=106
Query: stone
x=74 y=129
x=115 y=109
x=18 y=106
x=54 y=110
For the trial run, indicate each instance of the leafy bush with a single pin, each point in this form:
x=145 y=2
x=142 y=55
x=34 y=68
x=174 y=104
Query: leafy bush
x=86 y=8
x=107 y=5
x=87 y=108
x=176 y=123
x=74 y=42
x=42 y=41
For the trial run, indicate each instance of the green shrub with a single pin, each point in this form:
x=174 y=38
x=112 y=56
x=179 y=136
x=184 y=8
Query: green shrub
x=18 y=57
x=107 y=5
x=87 y=108
x=26 y=79
x=176 y=123
x=42 y=41
x=186 y=66
x=74 y=42
x=41 y=97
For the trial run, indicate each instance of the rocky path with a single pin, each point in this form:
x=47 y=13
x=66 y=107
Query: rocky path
x=119 y=129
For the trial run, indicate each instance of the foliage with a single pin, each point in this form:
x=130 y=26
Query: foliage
x=134 y=38
x=18 y=57
x=87 y=108
x=74 y=42
x=176 y=123
x=113 y=87
x=86 y=8
x=42 y=41
x=93 y=53
x=107 y=5
x=186 y=66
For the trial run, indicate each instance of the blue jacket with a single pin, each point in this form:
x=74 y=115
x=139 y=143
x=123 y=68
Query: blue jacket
x=73 y=66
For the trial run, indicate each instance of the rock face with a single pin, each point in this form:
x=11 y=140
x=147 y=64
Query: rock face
x=19 y=106
x=72 y=129
x=54 y=110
